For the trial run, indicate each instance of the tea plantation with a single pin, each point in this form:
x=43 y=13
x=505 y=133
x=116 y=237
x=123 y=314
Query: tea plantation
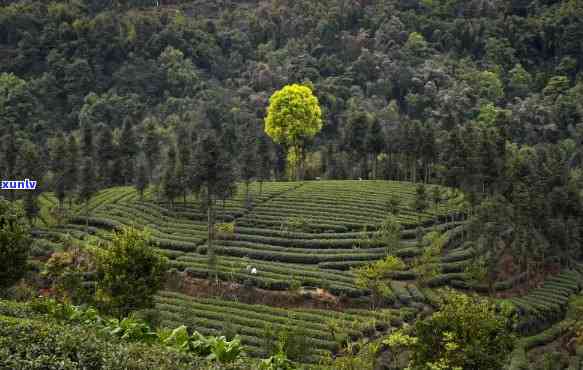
x=298 y=237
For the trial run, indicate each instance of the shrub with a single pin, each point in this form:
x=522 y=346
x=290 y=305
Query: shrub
x=372 y=277
x=467 y=333
x=130 y=272
x=14 y=243
x=32 y=344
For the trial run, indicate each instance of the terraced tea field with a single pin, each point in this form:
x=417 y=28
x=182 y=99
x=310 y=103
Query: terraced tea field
x=213 y=316
x=306 y=234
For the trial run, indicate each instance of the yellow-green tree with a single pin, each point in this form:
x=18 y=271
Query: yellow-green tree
x=293 y=117
x=374 y=277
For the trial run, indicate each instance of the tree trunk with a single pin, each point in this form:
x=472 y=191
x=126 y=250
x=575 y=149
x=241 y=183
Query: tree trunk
x=414 y=171
x=301 y=164
x=210 y=238
x=247 y=200
x=87 y=216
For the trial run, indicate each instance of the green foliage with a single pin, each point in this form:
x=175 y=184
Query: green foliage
x=389 y=234
x=425 y=265
x=225 y=351
x=359 y=355
x=398 y=342
x=420 y=203
x=393 y=204
x=130 y=330
x=66 y=271
x=373 y=276
x=14 y=243
x=278 y=361
x=81 y=338
x=467 y=332
x=129 y=271
x=16 y=101
x=293 y=117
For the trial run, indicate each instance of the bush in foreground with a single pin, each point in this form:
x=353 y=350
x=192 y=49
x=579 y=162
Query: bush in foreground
x=129 y=272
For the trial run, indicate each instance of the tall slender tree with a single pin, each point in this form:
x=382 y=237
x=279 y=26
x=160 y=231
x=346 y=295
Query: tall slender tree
x=248 y=159
x=105 y=153
x=141 y=179
x=88 y=141
x=128 y=150
x=264 y=160
x=88 y=188
x=151 y=146
x=213 y=174
x=58 y=166
x=10 y=156
x=32 y=167
x=170 y=181
x=71 y=168
x=375 y=143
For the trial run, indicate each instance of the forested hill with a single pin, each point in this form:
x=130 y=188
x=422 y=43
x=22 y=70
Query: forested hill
x=187 y=118
x=482 y=95
x=420 y=65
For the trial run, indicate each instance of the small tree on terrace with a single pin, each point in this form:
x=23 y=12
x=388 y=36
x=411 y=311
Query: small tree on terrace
x=141 y=179
x=393 y=204
x=213 y=173
x=374 y=277
x=420 y=203
x=71 y=178
x=293 y=117
x=170 y=181
x=129 y=272
x=88 y=188
x=389 y=234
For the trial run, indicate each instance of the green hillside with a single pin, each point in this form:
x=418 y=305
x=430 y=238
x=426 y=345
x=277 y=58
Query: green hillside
x=290 y=184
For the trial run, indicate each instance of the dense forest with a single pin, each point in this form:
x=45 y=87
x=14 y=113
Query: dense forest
x=174 y=99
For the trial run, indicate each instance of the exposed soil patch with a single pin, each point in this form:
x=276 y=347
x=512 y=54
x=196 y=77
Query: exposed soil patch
x=316 y=298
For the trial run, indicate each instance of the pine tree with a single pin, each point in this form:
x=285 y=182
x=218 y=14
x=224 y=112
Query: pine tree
x=128 y=149
x=11 y=148
x=58 y=165
x=117 y=171
x=71 y=168
x=264 y=160
x=213 y=173
x=31 y=206
x=248 y=159
x=32 y=168
x=88 y=188
x=151 y=147
x=141 y=179
x=170 y=182
x=88 y=142
x=184 y=145
x=105 y=154
x=355 y=139
x=420 y=202
x=375 y=143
